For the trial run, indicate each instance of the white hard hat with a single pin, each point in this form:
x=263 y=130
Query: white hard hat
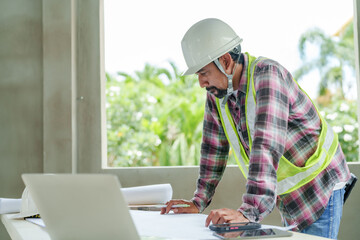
x=206 y=41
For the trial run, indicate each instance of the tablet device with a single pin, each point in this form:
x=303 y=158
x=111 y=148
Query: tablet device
x=253 y=234
x=231 y=227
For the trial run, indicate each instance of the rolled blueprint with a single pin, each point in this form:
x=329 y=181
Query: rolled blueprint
x=150 y=194
x=10 y=205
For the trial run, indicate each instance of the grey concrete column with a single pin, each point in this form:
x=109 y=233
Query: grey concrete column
x=59 y=61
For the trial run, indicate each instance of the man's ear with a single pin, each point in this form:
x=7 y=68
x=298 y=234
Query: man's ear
x=226 y=62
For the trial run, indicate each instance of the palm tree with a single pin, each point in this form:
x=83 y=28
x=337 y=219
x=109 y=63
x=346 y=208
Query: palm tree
x=154 y=118
x=335 y=53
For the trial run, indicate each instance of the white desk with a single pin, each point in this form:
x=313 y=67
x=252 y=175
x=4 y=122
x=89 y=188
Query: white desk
x=23 y=230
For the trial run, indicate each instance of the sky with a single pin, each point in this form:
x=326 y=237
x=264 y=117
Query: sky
x=143 y=31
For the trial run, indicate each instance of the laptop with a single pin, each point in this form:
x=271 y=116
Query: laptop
x=81 y=206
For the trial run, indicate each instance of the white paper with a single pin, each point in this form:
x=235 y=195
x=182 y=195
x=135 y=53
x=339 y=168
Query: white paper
x=151 y=194
x=37 y=221
x=10 y=205
x=171 y=226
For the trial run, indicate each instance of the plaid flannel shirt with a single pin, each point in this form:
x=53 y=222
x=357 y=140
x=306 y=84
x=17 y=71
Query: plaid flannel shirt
x=286 y=124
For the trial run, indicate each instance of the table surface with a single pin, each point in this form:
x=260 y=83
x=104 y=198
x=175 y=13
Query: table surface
x=23 y=230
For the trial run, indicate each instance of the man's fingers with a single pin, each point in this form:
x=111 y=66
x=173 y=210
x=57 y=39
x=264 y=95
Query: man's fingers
x=162 y=210
x=167 y=208
x=216 y=218
x=208 y=219
x=169 y=205
x=191 y=209
x=213 y=217
x=226 y=219
x=220 y=216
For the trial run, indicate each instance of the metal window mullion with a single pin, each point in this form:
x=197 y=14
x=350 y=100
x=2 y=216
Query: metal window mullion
x=357 y=56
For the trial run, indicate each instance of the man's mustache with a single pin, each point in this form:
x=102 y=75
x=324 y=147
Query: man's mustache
x=212 y=88
x=220 y=93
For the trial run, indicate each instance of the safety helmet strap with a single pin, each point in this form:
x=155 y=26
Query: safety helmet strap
x=230 y=88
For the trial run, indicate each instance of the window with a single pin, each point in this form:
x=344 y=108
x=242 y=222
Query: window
x=146 y=125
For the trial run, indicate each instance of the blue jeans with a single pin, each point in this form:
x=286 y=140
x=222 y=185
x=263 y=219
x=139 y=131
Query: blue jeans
x=329 y=223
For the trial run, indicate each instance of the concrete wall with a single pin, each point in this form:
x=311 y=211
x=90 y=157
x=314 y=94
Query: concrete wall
x=21 y=94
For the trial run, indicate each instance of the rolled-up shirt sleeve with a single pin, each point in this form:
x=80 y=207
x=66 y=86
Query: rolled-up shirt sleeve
x=272 y=111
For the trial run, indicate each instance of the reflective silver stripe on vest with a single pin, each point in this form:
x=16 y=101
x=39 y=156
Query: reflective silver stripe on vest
x=233 y=139
x=289 y=182
x=250 y=106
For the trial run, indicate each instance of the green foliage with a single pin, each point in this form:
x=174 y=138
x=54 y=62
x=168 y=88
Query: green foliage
x=341 y=114
x=336 y=54
x=154 y=118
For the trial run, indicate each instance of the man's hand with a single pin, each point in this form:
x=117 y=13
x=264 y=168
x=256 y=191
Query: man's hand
x=191 y=209
x=225 y=215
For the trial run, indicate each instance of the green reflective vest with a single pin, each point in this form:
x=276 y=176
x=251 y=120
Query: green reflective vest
x=289 y=176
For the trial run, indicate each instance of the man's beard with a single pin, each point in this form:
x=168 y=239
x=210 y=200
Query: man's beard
x=220 y=93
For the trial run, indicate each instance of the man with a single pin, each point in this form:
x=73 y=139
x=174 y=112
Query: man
x=287 y=152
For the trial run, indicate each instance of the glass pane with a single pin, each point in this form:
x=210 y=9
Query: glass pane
x=154 y=115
